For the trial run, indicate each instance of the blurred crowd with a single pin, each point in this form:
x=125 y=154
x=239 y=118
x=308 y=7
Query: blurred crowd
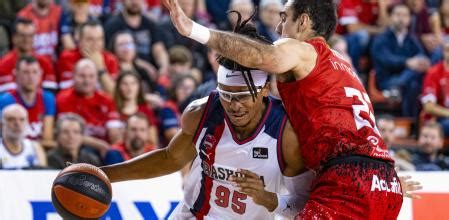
x=103 y=81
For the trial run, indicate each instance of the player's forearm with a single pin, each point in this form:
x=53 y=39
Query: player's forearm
x=245 y=51
x=154 y=164
x=269 y=201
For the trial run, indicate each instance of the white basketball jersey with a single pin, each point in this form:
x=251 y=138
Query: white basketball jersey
x=26 y=158
x=207 y=192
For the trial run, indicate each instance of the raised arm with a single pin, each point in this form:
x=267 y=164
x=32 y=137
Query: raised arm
x=283 y=56
x=161 y=162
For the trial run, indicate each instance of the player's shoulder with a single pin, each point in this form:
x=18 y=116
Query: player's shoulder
x=290 y=42
x=192 y=115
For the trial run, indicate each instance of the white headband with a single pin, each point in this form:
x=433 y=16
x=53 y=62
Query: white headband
x=235 y=78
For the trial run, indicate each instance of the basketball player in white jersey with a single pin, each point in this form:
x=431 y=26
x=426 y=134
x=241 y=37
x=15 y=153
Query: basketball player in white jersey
x=16 y=151
x=238 y=131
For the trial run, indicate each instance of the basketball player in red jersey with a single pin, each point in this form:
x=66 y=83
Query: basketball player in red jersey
x=327 y=105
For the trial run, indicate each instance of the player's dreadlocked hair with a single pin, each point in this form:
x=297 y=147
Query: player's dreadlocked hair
x=248 y=29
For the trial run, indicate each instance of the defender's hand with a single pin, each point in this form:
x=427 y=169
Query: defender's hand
x=409 y=186
x=253 y=186
x=182 y=23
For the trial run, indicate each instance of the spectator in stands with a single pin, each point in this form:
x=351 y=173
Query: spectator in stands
x=269 y=18
x=40 y=104
x=359 y=20
x=171 y=36
x=420 y=25
x=180 y=64
x=183 y=87
x=435 y=96
x=439 y=22
x=245 y=7
x=146 y=33
x=209 y=85
x=100 y=8
x=218 y=11
x=69 y=135
x=387 y=127
x=8 y=13
x=181 y=60
x=337 y=43
x=71 y=21
x=46 y=17
x=9 y=9
x=16 y=151
x=23 y=34
x=129 y=100
x=91 y=46
x=136 y=139
x=94 y=106
x=124 y=47
x=430 y=142
x=399 y=59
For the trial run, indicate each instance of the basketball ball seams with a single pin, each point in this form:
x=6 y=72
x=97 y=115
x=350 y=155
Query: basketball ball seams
x=86 y=168
x=86 y=184
x=64 y=213
x=81 y=191
x=81 y=207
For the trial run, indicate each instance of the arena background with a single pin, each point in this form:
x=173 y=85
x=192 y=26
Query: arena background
x=25 y=194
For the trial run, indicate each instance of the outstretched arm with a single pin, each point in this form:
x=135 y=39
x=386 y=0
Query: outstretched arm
x=283 y=56
x=161 y=162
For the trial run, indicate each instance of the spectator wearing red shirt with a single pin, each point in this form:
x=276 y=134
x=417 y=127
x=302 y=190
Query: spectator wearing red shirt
x=94 y=106
x=129 y=99
x=23 y=33
x=358 y=20
x=435 y=96
x=135 y=139
x=91 y=46
x=39 y=104
x=45 y=16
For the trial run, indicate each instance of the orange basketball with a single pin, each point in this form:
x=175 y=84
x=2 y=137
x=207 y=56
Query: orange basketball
x=81 y=191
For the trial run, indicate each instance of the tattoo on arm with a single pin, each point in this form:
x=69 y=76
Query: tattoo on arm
x=245 y=51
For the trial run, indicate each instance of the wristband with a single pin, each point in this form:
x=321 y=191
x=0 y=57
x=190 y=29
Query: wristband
x=199 y=33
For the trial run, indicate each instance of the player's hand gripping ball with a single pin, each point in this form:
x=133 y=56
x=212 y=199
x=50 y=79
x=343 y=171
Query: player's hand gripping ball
x=81 y=191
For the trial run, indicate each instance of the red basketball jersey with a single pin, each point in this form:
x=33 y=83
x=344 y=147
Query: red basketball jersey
x=331 y=111
x=36 y=114
x=47 y=28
